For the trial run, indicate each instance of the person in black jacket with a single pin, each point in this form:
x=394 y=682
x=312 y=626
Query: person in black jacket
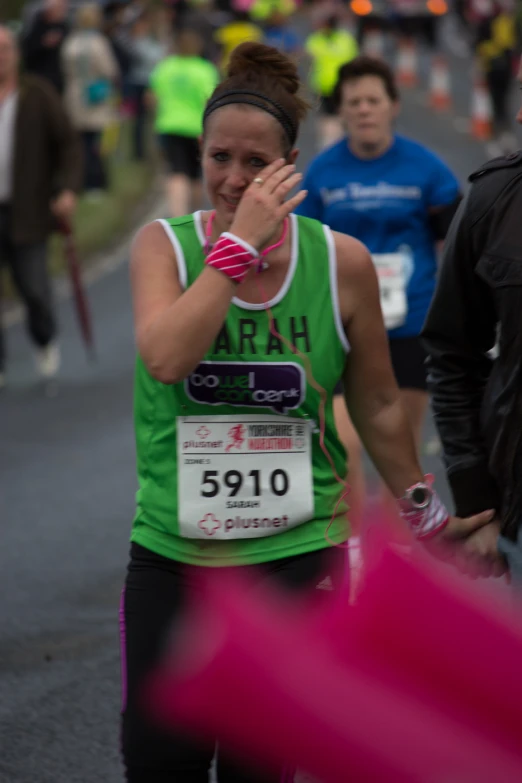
x=42 y=42
x=473 y=335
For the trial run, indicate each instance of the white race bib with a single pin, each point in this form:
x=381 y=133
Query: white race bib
x=391 y=271
x=245 y=476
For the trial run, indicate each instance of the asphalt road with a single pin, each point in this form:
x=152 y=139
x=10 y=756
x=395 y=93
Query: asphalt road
x=67 y=489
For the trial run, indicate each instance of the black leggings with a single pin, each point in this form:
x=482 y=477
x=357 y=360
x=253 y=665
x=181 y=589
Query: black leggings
x=154 y=597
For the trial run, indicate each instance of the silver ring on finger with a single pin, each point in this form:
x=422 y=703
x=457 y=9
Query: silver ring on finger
x=258 y=181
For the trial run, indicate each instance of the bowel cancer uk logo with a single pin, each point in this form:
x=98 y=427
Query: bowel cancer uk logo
x=279 y=386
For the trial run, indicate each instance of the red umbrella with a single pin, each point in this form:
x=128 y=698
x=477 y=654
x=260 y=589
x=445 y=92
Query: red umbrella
x=80 y=298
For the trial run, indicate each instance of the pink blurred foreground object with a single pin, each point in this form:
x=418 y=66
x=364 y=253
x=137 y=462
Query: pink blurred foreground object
x=460 y=645
x=416 y=683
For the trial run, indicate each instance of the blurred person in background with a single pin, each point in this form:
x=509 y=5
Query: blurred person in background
x=116 y=28
x=42 y=39
x=180 y=86
x=240 y=29
x=495 y=45
x=329 y=47
x=91 y=75
x=40 y=172
x=162 y=24
x=418 y=20
x=369 y=18
x=177 y=9
x=203 y=17
x=280 y=34
x=261 y=10
x=398 y=198
x=147 y=53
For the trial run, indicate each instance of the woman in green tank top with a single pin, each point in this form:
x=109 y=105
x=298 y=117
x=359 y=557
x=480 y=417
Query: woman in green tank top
x=246 y=317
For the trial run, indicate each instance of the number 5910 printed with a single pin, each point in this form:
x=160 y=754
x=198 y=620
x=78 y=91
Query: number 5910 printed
x=213 y=483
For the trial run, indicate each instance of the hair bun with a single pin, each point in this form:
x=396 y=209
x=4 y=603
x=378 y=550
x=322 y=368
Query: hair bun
x=264 y=61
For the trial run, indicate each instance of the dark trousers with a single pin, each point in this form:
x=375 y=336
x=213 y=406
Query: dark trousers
x=95 y=177
x=28 y=268
x=157 y=591
x=499 y=81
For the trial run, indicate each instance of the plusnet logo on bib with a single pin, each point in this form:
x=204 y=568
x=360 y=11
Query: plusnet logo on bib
x=279 y=386
x=210 y=524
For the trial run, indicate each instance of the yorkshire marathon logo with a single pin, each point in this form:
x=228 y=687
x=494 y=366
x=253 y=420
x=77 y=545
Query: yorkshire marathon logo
x=266 y=437
x=279 y=386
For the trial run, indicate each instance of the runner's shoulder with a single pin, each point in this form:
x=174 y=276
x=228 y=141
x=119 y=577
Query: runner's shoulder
x=155 y=237
x=353 y=258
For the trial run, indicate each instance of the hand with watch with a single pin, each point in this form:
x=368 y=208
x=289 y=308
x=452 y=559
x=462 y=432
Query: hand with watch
x=468 y=544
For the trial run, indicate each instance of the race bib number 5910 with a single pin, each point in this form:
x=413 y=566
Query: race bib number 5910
x=243 y=476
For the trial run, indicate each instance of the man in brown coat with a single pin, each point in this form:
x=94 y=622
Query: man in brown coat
x=40 y=173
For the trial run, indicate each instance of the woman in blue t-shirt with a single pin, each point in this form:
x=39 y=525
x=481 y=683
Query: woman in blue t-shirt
x=398 y=198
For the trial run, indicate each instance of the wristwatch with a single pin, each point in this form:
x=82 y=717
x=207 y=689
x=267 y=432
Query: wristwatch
x=417 y=497
x=422 y=509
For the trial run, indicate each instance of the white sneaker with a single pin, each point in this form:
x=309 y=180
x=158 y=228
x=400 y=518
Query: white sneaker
x=48 y=360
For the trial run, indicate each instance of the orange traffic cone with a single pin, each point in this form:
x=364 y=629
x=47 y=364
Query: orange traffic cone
x=481 y=112
x=373 y=43
x=440 y=94
x=407 y=64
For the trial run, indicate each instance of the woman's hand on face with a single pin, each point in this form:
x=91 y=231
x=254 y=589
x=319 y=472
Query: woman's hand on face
x=263 y=206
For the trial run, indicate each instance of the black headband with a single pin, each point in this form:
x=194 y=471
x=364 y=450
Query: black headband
x=247 y=96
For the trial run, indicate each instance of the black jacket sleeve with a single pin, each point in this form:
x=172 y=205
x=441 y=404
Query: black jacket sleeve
x=459 y=332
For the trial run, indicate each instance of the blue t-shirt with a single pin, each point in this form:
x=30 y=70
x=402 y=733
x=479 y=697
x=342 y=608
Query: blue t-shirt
x=384 y=202
x=282 y=38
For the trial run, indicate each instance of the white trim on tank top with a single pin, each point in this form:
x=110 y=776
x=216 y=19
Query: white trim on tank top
x=334 y=287
x=289 y=275
x=180 y=256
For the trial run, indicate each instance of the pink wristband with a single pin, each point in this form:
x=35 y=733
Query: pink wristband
x=232 y=256
x=427 y=522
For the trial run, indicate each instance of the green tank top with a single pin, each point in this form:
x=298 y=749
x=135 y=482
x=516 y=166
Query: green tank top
x=230 y=465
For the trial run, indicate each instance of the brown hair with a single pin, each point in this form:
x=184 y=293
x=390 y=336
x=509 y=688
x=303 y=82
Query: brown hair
x=366 y=66
x=261 y=76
